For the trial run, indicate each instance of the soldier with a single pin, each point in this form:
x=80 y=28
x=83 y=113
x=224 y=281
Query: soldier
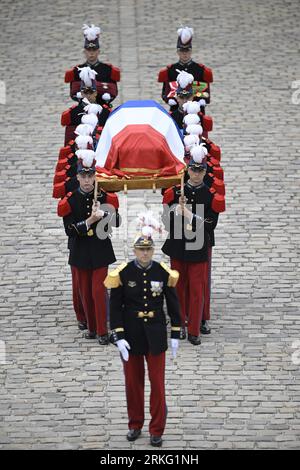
x=191 y=233
x=139 y=330
x=169 y=74
x=88 y=226
x=76 y=115
x=107 y=75
x=184 y=93
x=184 y=97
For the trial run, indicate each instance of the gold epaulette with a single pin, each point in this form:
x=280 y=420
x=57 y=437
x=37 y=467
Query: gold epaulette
x=113 y=280
x=173 y=274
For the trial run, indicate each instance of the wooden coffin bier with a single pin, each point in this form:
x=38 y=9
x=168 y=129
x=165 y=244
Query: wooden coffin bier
x=139 y=148
x=114 y=183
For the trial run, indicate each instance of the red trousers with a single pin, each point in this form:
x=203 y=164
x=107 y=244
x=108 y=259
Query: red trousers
x=77 y=304
x=89 y=298
x=206 y=308
x=134 y=370
x=191 y=289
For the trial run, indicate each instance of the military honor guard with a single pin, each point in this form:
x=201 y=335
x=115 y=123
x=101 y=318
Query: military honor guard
x=88 y=223
x=139 y=329
x=190 y=216
x=87 y=111
x=184 y=97
x=168 y=75
x=65 y=177
x=107 y=75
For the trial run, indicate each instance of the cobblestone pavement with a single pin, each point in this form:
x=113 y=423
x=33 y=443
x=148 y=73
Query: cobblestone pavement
x=240 y=388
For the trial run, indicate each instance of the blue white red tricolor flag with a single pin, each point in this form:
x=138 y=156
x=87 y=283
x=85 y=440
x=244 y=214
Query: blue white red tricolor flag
x=140 y=138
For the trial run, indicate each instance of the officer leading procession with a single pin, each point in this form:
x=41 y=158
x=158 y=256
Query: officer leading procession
x=140 y=305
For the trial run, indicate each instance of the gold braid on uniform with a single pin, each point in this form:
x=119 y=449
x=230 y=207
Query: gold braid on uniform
x=173 y=274
x=112 y=280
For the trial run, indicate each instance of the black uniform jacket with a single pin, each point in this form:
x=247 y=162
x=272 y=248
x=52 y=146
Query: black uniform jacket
x=179 y=240
x=87 y=251
x=177 y=116
x=136 y=308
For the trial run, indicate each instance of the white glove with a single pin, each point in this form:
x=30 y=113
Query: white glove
x=123 y=347
x=172 y=102
x=106 y=96
x=174 y=346
x=202 y=102
x=99 y=213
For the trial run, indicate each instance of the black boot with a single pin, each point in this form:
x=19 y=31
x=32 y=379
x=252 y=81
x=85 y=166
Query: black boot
x=195 y=340
x=82 y=325
x=133 y=434
x=89 y=335
x=103 y=340
x=205 y=329
x=156 y=441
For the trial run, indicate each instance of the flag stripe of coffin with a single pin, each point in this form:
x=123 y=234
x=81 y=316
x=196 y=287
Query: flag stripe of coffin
x=141 y=150
x=159 y=126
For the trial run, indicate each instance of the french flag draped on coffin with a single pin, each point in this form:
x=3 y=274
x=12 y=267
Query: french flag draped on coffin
x=139 y=141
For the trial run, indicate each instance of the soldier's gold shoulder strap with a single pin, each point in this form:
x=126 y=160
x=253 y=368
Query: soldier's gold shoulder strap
x=173 y=274
x=113 y=280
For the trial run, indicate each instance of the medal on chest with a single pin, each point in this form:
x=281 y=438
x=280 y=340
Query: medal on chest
x=156 y=288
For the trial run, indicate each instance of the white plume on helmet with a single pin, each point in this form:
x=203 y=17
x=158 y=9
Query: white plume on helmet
x=84 y=129
x=194 y=129
x=91 y=32
x=87 y=157
x=184 y=78
x=198 y=152
x=185 y=33
x=148 y=224
x=92 y=108
x=82 y=141
x=190 y=141
x=147 y=231
x=191 y=119
x=191 y=107
x=86 y=74
x=90 y=119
